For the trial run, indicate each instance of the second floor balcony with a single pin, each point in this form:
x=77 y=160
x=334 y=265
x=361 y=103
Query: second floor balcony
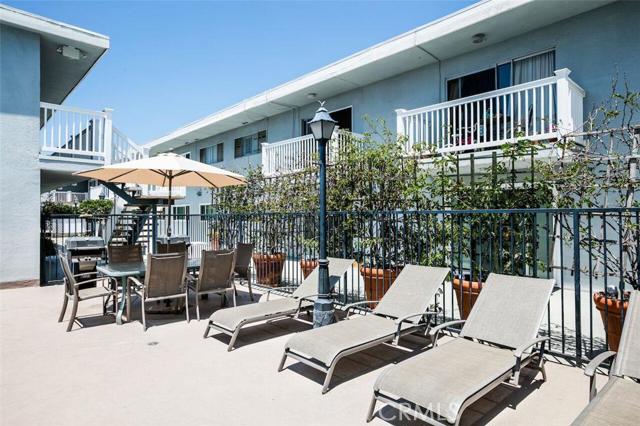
x=543 y=109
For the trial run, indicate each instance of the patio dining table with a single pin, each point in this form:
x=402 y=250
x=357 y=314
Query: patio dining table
x=123 y=271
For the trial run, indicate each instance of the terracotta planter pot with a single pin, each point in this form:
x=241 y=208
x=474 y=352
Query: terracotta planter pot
x=377 y=281
x=269 y=268
x=307 y=266
x=610 y=310
x=466 y=294
x=215 y=243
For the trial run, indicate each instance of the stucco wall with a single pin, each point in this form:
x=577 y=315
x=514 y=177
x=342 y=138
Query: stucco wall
x=593 y=45
x=19 y=172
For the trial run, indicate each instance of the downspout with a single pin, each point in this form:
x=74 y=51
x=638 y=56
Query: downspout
x=439 y=71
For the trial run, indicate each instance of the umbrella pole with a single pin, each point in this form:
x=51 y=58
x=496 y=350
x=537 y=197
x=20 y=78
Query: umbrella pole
x=169 y=202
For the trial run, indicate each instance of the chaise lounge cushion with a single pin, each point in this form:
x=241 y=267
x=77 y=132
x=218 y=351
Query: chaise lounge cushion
x=618 y=403
x=231 y=318
x=441 y=379
x=325 y=343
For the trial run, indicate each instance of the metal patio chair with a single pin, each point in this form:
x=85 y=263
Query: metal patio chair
x=164 y=248
x=215 y=276
x=125 y=254
x=164 y=279
x=618 y=403
x=231 y=320
x=496 y=341
x=402 y=310
x=244 y=252
x=77 y=294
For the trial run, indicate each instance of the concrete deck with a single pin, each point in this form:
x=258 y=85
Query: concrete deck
x=101 y=373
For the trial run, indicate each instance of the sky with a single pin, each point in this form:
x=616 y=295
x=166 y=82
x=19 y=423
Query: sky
x=173 y=62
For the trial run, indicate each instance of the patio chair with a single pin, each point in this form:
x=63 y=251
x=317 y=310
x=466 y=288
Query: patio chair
x=164 y=279
x=244 y=252
x=215 y=276
x=73 y=291
x=402 y=310
x=618 y=403
x=164 y=248
x=125 y=254
x=231 y=320
x=496 y=341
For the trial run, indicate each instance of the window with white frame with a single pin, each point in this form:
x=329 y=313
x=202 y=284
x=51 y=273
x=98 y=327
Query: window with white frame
x=249 y=145
x=180 y=210
x=206 y=210
x=212 y=154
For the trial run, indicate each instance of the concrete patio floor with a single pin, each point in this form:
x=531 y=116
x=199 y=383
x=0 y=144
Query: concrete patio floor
x=101 y=373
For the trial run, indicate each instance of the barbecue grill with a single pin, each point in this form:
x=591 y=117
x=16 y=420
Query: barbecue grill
x=83 y=254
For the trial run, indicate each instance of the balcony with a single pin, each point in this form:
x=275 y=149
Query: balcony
x=538 y=110
x=296 y=154
x=76 y=135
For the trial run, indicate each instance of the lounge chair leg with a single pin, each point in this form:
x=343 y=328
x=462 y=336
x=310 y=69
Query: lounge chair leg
x=327 y=378
x=372 y=408
x=128 y=304
x=250 y=290
x=186 y=305
x=64 y=307
x=542 y=369
x=104 y=306
x=235 y=293
x=74 y=311
x=233 y=339
x=282 y=361
x=197 y=307
x=206 y=330
x=144 y=319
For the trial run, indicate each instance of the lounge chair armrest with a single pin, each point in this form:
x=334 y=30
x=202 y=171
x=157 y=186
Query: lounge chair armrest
x=417 y=314
x=520 y=350
x=435 y=331
x=290 y=287
x=590 y=369
x=78 y=284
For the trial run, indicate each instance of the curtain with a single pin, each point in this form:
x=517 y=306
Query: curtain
x=533 y=68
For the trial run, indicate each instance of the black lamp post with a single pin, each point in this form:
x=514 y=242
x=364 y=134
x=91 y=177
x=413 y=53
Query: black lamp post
x=322 y=127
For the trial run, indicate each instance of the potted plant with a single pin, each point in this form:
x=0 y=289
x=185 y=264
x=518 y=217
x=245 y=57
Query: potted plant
x=467 y=290
x=309 y=261
x=269 y=262
x=611 y=308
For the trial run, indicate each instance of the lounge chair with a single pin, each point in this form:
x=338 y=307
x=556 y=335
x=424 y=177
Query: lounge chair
x=72 y=291
x=402 y=310
x=231 y=320
x=618 y=403
x=165 y=279
x=215 y=276
x=496 y=341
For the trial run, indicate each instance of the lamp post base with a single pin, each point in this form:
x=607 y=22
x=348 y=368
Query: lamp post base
x=323 y=313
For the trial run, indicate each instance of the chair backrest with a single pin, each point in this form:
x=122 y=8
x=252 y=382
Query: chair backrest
x=69 y=280
x=337 y=268
x=412 y=291
x=628 y=359
x=165 y=274
x=163 y=248
x=244 y=251
x=509 y=310
x=216 y=269
x=125 y=254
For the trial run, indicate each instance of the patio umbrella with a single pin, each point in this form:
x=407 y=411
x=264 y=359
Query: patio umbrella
x=165 y=170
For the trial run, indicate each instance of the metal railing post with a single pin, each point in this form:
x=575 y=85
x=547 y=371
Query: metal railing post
x=576 y=282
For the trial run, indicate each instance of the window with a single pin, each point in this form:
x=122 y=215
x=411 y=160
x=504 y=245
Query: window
x=342 y=116
x=205 y=210
x=503 y=75
x=212 y=154
x=186 y=155
x=534 y=67
x=471 y=84
x=249 y=145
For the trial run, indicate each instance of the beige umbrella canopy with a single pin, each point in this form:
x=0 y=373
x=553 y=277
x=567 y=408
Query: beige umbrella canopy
x=166 y=170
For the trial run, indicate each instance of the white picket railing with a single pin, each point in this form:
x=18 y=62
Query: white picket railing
x=65 y=197
x=76 y=134
x=538 y=110
x=297 y=154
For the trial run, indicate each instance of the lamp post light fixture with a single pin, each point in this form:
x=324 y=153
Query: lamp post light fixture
x=322 y=126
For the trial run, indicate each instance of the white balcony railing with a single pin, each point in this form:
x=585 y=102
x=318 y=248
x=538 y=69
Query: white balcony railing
x=155 y=191
x=65 y=197
x=538 y=110
x=76 y=134
x=296 y=154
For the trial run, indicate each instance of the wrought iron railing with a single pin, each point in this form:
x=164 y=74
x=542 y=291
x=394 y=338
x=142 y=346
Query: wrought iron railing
x=584 y=250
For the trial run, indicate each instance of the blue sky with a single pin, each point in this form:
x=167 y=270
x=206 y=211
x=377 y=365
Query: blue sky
x=171 y=63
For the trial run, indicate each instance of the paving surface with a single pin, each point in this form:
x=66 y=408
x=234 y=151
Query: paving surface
x=104 y=374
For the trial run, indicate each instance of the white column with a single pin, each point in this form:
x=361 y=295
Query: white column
x=570 y=103
x=265 y=159
x=108 y=135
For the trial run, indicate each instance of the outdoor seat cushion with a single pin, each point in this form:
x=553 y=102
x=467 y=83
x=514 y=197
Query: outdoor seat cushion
x=91 y=292
x=618 y=403
x=441 y=379
x=231 y=318
x=325 y=343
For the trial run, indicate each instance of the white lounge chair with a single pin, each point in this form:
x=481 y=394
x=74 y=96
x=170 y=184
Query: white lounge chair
x=231 y=320
x=497 y=340
x=402 y=310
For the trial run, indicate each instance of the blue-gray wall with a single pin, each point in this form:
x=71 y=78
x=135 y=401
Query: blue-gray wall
x=19 y=148
x=592 y=45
